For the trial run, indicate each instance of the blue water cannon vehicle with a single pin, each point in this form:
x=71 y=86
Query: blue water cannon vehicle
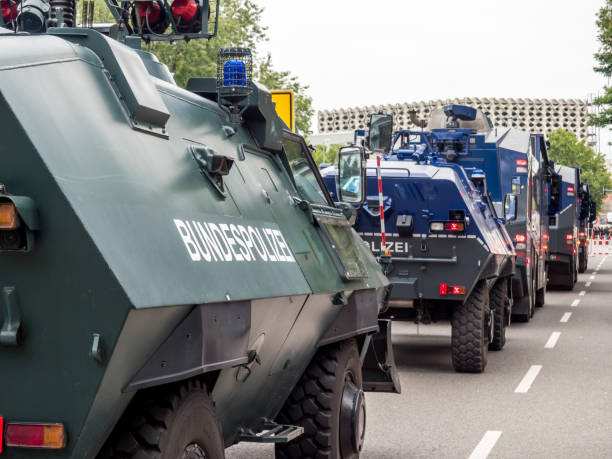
x=587 y=216
x=450 y=253
x=564 y=220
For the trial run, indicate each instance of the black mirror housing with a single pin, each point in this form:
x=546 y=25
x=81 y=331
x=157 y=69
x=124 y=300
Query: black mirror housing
x=380 y=132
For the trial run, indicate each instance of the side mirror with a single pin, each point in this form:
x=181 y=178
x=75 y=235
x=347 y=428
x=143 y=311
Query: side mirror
x=351 y=175
x=510 y=207
x=381 y=132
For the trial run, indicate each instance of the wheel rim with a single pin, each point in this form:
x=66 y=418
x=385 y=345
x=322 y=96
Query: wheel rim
x=352 y=419
x=193 y=451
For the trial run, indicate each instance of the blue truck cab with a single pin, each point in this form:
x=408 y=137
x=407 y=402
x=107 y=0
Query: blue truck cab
x=451 y=255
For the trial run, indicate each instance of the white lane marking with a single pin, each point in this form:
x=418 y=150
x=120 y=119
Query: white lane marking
x=486 y=444
x=592 y=277
x=582 y=293
x=566 y=317
x=588 y=284
x=528 y=379
x=552 y=341
x=575 y=303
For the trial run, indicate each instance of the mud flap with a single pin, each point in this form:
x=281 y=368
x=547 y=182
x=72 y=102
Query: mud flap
x=378 y=364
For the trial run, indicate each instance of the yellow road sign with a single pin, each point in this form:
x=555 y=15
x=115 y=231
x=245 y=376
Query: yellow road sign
x=284 y=107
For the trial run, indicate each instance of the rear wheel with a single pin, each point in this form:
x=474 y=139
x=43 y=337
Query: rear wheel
x=582 y=261
x=499 y=299
x=166 y=424
x=328 y=402
x=471 y=331
x=540 y=298
x=525 y=304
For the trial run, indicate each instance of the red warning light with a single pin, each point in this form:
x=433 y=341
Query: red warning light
x=443 y=289
x=520 y=238
x=454 y=226
x=9 y=10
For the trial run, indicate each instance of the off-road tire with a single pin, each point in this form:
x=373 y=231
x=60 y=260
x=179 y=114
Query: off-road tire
x=499 y=298
x=315 y=403
x=168 y=423
x=540 y=298
x=531 y=302
x=470 y=337
x=582 y=262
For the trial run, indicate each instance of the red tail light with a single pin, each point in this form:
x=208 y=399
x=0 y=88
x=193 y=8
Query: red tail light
x=454 y=226
x=9 y=10
x=520 y=238
x=570 y=189
x=521 y=162
x=1 y=432
x=446 y=289
x=569 y=237
x=187 y=14
x=31 y=435
x=581 y=234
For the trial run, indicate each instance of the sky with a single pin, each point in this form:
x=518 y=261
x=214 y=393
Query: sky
x=355 y=52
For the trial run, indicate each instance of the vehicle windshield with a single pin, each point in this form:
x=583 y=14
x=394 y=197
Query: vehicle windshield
x=304 y=177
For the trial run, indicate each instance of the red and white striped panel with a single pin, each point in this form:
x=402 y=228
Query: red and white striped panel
x=601 y=245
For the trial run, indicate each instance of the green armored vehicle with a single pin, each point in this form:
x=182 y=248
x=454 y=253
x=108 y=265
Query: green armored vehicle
x=174 y=275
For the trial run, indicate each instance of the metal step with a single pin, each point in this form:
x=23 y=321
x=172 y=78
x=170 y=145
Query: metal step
x=273 y=433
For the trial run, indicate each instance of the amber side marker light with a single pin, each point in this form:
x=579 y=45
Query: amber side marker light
x=35 y=435
x=9 y=218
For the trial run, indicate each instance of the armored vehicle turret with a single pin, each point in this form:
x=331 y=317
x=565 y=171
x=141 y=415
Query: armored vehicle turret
x=175 y=276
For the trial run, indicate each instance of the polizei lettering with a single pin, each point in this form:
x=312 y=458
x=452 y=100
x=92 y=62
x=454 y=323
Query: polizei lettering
x=221 y=242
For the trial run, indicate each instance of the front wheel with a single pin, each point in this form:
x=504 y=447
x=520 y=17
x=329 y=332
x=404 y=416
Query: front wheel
x=471 y=331
x=328 y=402
x=168 y=423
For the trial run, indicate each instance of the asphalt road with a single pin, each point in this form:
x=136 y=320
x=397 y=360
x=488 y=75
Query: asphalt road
x=547 y=394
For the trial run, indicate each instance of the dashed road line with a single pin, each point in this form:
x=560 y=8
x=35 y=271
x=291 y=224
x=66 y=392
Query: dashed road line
x=588 y=284
x=528 y=379
x=582 y=293
x=566 y=317
x=486 y=444
x=552 y=341
x=575 y=303
x=592 y=277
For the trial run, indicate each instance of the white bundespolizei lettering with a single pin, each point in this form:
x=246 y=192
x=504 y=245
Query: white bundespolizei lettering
x=224 y=242
x=192 y=249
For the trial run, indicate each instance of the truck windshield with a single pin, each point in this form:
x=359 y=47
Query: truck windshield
x=305 y=178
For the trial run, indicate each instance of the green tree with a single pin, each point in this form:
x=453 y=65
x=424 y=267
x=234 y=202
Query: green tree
x=274 y=79
x=330 y=154
x=567 y=150
x=240 y=24
x=604 y=65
